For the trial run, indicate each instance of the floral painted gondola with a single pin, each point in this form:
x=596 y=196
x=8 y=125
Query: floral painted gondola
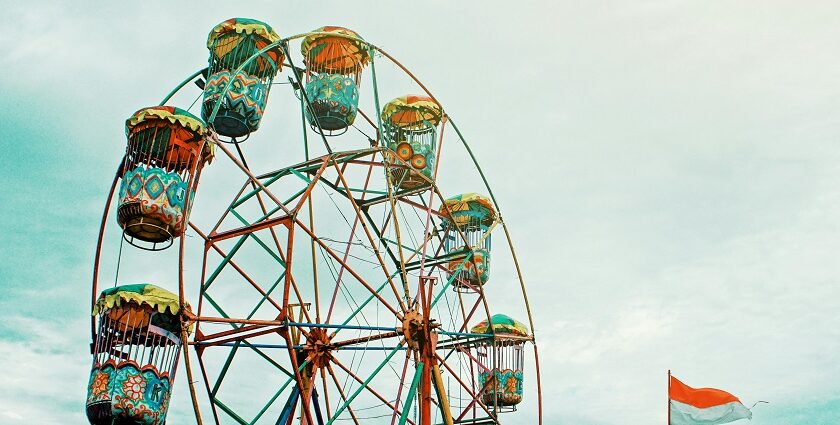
x=409 y=125
x=501 y=385
x=238 y=96
x=166 y=151
x=467 y=221
x=334 y=59
x=135 y=355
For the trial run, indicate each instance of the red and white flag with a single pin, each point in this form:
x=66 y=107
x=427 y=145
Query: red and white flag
x=703 y=406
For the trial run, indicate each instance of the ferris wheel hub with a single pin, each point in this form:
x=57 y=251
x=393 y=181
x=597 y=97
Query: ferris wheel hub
x=318 y=347
x=417 y=330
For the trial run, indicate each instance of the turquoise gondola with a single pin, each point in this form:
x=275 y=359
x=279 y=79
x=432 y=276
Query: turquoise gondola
x=335 y=58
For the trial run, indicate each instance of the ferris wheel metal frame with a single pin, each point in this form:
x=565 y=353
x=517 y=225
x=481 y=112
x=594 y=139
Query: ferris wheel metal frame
x=313 y=170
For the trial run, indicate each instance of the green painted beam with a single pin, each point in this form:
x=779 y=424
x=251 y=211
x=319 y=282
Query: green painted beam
x=267 y=293
x=302 y=176
x=259 y=241
x=259 y=189
x=409 y=399
x=273 y=398
x=224 y=262
x=229 y=411
x=225 y=368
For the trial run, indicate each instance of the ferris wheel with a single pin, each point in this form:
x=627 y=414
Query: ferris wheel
x=323 y=275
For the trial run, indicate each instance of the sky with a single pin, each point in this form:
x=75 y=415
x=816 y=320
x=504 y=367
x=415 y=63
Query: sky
x=668 y=170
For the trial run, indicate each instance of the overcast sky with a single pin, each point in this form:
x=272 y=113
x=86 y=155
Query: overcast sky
x=668 y=169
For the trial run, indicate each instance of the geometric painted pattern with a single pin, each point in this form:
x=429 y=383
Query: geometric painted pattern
x=154 y=187
x=160 y=195
x=135 y=185
x=246 y=97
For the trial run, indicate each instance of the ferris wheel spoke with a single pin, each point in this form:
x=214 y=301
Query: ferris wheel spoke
x=207 y=384
x=380 y=235
x=366 y=339
x=359 y=278
x=409 y=231
x=362 y=306
x=338 y=276
x=297 y=367
x=365 y=383
x=301 y=303
x=324 y=386
x=356 y=221
x=404 y=274
x=316 y=287
x=452 y=277
x=468 y=388
x=341 y=393
x=207 y=339
x=373 y=244
x=469 y=316
x=207 y=343
x=400 y=387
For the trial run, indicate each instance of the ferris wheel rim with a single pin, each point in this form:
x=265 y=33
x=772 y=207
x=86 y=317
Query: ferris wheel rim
x=284 y=44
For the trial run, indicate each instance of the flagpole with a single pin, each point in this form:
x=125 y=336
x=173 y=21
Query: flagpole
x=669 y=396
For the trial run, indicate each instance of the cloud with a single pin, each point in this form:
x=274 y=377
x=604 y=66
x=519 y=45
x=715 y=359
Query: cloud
x=43 y=382
x=667 y=171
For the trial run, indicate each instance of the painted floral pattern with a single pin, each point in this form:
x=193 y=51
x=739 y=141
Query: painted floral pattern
x=508 y=387
x=134 y=387
x=140 y=395
x=98 y=386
